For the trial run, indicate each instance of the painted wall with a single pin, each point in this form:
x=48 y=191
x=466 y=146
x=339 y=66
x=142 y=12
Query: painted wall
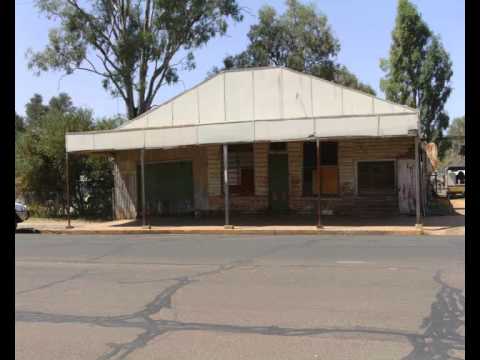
x=125 y=185
x=126 y=176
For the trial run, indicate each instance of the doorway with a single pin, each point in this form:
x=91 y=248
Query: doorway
x=278 y=179
x=168 y=188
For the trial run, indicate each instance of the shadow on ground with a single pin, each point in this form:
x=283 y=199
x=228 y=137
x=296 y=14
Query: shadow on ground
x=456 y=219
x=446 y=222
x=27 y=231
x=444 y=337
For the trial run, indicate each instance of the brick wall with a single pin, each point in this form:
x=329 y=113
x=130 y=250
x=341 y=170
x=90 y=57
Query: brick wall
x=308 y=205
x=214 y=158
x=246 y=204
x=295 y=168
x=207 y=171
x=243 y=204
x=260 y=151
x=351 y=151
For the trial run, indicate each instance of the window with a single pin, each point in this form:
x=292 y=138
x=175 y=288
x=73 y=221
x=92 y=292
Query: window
x=328 y=153
x=240 y=169
x=460 y=178
x=376 y=177
x=328 y=168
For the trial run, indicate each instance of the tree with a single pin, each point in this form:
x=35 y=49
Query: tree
x=457 y=128
x=40 y=161
x=454 y=155
x=19 y=124
x=35 y=109
x=109 y=123
x=418 y=71
x=300 y=39
x=62 y=103
x=135 y=46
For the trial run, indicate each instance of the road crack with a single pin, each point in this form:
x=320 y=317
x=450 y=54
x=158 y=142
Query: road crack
x=438 y=340
x=53 y=283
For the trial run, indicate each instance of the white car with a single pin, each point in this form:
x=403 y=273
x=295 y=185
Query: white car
x=21 y=213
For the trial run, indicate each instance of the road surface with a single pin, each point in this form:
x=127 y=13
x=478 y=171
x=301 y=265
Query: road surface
x=245 y=297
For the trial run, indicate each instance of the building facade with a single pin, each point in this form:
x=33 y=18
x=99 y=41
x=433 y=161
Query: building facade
x=268 y=120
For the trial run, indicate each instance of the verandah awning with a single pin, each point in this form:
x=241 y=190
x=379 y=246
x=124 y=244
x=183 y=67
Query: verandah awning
x=254 y=105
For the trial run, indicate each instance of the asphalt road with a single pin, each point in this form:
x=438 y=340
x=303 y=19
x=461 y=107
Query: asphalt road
x=218 y=297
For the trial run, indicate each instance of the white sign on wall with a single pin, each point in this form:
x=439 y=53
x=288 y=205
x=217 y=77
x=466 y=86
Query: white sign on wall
x=233 y=177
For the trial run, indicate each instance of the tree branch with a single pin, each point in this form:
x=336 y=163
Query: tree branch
x=144 y=60
x=111 y=76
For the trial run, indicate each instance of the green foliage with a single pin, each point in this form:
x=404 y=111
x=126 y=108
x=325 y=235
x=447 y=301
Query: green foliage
x=40 y=161
x=109 y=123
x=134 y=46
x=454 y=142
x=300 y=39
x=35 y=109
x=19 y=124
x=418 y=71
x=457 y=127
x=41 y=211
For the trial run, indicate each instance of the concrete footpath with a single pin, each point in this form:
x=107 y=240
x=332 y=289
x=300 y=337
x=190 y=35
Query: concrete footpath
x=255 y=225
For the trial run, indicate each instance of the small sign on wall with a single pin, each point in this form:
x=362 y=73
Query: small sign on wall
x=233 y=177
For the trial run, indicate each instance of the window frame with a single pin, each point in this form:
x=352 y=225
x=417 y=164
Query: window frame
x=395 y=176
x=233 y=192
x=337 y=166
x=325 y=143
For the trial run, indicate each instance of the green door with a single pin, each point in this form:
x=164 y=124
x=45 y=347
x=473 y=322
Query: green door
x=168 y=187
x=278 y=182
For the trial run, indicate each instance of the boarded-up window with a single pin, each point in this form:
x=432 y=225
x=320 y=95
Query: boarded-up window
x=328 y=154
x=328 y=168
x=240 y=169
x=278 y=147
x=376 y=177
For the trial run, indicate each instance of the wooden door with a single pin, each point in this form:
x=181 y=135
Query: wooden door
x=278 y=182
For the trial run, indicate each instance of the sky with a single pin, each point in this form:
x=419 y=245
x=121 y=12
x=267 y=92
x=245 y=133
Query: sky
x=362 y=27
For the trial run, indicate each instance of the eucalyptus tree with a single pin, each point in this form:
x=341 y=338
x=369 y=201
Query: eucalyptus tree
x=301 y=39
x=418 y=71
x=134 y=46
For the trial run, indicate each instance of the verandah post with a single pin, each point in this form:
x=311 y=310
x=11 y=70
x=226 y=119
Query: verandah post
x=417 y=183
x=142 y=166
x=67 y=180
x=319 y=210
x=225 y=187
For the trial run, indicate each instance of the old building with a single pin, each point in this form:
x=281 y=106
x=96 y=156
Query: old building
x=266 y=122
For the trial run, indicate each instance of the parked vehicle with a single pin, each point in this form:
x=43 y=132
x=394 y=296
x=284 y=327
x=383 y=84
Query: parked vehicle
x=455 y=180
x=21 y=213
